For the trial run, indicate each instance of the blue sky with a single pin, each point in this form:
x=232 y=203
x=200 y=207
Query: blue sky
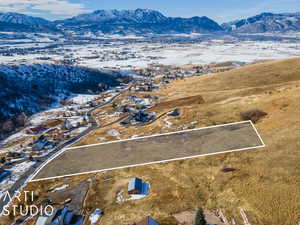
x=219 y=10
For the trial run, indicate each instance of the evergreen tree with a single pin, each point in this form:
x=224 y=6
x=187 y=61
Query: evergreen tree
x=200 y=218
x=2 y=160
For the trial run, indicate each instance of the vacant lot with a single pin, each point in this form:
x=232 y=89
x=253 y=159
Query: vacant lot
x=153 y=149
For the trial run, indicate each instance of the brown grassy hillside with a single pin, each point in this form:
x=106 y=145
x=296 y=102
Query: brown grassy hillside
x=266 y=181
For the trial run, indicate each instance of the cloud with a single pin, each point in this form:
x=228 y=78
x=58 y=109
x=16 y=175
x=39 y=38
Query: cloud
x=54 y=8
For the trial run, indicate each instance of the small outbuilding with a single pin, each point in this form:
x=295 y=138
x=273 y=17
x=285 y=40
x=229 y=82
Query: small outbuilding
x=148 y=221
x=135 y=186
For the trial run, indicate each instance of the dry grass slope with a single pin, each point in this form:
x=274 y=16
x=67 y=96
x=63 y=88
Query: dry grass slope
x=265 y=183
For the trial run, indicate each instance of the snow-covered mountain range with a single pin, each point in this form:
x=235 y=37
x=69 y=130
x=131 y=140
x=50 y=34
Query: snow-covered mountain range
x=121 y=16
x=265 y=22
x=145 y=21
x=20 y=22
x=139 y=21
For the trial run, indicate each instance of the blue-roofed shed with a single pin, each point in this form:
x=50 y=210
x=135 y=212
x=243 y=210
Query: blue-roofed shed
x=148 y=221
x=135 y=186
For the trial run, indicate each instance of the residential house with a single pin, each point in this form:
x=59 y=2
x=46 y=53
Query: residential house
x=175 y=112
x=36 y=130
x=144 y=117
x=65 y=216
x=42 y=143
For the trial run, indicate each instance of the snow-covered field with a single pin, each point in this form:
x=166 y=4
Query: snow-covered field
x=114 y=133
x=124 y=54
x=82 y=99
x=203 y=53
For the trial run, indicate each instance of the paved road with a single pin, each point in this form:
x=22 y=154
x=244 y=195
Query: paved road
x=43 y=160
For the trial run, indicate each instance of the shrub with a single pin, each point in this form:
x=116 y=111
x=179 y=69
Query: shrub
x=254 y=115
x=200 y=218
x=2 y=160
x=228 y=169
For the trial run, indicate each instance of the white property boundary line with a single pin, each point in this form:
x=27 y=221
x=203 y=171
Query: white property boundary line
x=149 y=163
x=261 y=140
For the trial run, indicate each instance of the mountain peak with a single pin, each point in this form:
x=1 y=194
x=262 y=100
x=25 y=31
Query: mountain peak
x=137 y=15
x=138 y=21
x=17 y=18
x=10 y=21
x=265 y=22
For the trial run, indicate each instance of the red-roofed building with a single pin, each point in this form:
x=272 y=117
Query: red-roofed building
x=36 y=130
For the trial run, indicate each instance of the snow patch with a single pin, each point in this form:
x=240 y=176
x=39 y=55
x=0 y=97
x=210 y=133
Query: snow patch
x=95 y=216
x=113 y=133
x=168 y=123
x=83 y=99
x=16 y=172
x=64 y=186
x=15 y=137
